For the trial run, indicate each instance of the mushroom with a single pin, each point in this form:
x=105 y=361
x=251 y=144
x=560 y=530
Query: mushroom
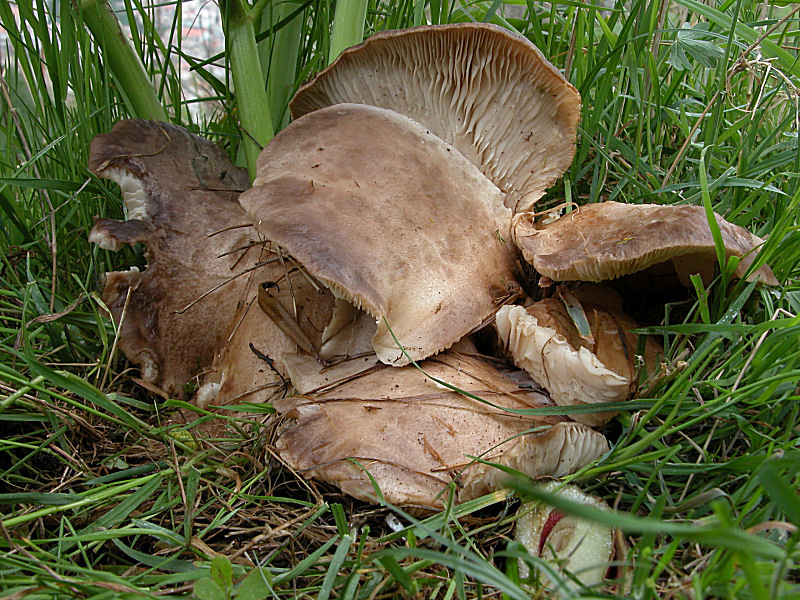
x=574 y=367
x=410 y=436
x=603 y=241
x=180 y=193
x=196 y=301
x=392 y=219
x=582 y=548
x=488 y=92
x=348 y=334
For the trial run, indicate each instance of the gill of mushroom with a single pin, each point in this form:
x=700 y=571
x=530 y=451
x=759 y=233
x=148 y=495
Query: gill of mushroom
x=544 y=341
x=481 y=88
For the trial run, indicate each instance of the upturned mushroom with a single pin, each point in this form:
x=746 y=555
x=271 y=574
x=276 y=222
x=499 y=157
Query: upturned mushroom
x=607 y=240
x=578 y=367
x=398 y=430
x=488 y=92
x=392 y=219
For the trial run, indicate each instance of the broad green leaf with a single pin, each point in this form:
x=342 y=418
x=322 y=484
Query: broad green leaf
x=222 y=571
x=208 y=589
x=256 y=586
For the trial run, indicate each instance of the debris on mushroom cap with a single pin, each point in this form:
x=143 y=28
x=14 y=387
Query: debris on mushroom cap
x=487 y=91
x=415 y=436
x=249 y=366
x=607 y=240
x=545 y=341
x=580 y=547
x=392 y=219
x=180 y=193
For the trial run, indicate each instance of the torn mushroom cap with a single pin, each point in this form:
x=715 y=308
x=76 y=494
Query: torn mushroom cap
x=544 y=341
x=414 y=436
x=392 y=219
x=487 y=91
x=180 y=193
x=607 y=240
x=583 y=548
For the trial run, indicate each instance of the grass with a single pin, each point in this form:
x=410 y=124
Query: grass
x=104 y=495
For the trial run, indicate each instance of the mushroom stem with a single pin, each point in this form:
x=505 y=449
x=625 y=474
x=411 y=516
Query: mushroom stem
x=122 y=59
x=248 y=78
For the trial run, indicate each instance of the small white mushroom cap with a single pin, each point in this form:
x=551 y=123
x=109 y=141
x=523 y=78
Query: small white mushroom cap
x=583 y=548
x=485 y=90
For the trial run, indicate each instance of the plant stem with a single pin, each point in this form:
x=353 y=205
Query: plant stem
x=248 y=79
x=281 y=52
x=123 y=61
x=348 y=26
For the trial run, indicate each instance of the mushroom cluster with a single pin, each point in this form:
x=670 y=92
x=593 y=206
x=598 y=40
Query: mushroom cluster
x=386 y=225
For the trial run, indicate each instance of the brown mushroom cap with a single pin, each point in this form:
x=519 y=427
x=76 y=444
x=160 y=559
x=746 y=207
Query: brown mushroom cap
x=605 y=241
x=392 y=219
x=487 y=91
x=180 y=193
x=414 y=436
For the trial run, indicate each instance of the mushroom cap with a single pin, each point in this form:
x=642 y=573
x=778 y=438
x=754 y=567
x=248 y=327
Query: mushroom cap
x=583 y=548
x=392 y=219
x=415 y=436
x=544 y=341
x=607 y=240
x=487 y=91
x=180 y=193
